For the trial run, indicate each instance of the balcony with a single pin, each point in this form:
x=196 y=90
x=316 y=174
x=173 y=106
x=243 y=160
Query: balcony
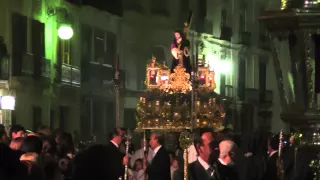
x=28 y=64
x=99 y=75
x=70 y=75
x=264 y=42
x=245 y=38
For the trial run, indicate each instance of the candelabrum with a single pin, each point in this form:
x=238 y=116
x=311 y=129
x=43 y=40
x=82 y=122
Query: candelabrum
x=128 y=141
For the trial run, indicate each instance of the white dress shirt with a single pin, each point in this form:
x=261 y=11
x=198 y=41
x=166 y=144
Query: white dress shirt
x=115 y=144
x=156 y=150
x=272 y=153
x=205 y=165
x=222 y=162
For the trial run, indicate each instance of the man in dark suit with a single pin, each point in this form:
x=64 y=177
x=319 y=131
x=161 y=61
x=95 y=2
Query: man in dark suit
x=159 y=168
x=117 y=160
x=201 y=169
x=225 y=166
x=271 y=171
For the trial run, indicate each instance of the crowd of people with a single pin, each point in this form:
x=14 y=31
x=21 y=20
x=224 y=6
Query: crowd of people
x=47 y=155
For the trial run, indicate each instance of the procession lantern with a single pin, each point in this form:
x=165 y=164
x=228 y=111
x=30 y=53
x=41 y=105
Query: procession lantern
x=203 y=75
x=164 y=75
x=153 y=74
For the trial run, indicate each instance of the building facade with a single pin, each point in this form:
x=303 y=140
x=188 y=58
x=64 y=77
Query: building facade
x=238 y=49
x=54 y=80
x=44 y=76
x=68 y=84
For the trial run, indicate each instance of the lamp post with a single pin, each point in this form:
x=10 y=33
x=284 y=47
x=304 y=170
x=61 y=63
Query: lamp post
x=298 y=23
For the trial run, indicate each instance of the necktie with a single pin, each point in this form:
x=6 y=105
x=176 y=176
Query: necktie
x=210 y=170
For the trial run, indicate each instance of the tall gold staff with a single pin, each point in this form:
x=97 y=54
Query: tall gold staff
x=128 y=141
x=280 y=170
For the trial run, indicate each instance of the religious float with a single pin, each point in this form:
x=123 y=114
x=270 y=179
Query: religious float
x=179 y=99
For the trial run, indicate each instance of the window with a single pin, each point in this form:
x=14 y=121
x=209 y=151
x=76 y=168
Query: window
x=111 y=48
x=242 y=23
x=99 y=46
x=64 y=51
x=86 y=43
x=223 y=17
x=19 y=42
x=242 y=79
x=38 y=45
x=317 y=63
x=262 y=78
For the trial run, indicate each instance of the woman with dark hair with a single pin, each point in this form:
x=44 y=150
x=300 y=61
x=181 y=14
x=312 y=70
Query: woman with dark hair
x=180 y=52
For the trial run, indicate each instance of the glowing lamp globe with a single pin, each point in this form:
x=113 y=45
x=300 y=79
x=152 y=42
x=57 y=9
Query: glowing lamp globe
x=7 y=102
x=65 y=32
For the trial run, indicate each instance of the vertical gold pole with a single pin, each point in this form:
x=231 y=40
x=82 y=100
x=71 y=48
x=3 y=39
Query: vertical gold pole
x=185 y=164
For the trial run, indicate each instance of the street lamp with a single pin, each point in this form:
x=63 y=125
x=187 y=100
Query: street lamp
x=65 y=32
x=7 y=102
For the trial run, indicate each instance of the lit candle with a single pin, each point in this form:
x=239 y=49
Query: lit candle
x=198 y=103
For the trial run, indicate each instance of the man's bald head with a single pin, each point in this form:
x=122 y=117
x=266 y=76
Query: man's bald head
x=226 y=148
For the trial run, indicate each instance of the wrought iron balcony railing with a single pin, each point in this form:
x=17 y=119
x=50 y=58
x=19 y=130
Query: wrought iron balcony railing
x=70 y=75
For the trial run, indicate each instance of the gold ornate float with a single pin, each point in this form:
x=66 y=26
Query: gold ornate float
x=167 y=102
